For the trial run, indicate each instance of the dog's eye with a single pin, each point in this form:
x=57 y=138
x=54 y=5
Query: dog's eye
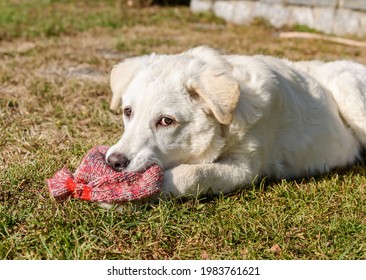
x=127 y=112
x=165 y=121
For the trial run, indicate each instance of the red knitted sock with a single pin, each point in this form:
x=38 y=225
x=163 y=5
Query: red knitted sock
x=95 y=180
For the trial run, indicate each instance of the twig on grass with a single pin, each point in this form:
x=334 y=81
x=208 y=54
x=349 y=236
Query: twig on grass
x=306 y=35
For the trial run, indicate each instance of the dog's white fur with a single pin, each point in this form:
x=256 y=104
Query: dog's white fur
x=238 y=118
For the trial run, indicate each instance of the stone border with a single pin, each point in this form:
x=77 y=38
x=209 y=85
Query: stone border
x=339 y=17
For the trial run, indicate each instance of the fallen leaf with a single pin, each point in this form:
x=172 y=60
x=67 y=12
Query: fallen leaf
x=276 y=249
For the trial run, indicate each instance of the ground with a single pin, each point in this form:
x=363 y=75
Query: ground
x=54 y=106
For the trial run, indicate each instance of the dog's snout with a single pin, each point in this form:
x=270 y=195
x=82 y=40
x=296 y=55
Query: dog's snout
x=118 y=161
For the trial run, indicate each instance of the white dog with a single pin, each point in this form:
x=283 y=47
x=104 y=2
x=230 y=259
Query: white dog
x=216 y=123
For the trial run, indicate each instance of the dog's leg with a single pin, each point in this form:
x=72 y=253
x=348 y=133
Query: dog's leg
x=215 y=178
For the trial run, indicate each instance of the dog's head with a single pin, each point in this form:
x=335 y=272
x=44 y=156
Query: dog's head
x=175 y=108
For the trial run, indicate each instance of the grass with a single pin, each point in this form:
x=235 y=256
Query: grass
x=54 y=99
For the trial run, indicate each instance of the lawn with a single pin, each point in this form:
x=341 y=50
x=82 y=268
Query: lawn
x=54 y=106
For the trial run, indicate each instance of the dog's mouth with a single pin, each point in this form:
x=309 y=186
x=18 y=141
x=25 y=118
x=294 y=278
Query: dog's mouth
x=140 y=168
x=138 y=162
x=148 y=165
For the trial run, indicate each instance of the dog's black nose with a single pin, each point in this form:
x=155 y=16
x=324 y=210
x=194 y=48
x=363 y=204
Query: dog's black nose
x=118 y=161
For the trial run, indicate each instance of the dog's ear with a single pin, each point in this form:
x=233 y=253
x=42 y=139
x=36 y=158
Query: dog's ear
x=219 y=91
x=121 y=76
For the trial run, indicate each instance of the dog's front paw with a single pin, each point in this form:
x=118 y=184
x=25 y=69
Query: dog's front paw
x=181 y=180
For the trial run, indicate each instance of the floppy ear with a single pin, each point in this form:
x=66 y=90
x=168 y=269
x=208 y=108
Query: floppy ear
x=220 y=92
x=121 y=76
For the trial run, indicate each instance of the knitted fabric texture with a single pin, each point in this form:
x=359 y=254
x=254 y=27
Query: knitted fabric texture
x=95 y=180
